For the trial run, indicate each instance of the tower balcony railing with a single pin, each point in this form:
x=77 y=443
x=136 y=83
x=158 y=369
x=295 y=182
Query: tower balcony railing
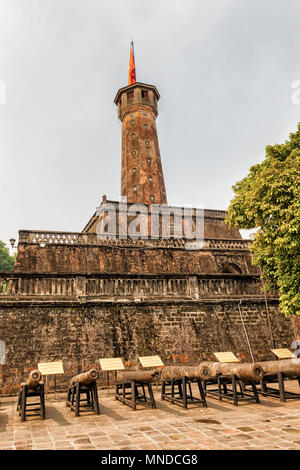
x=44 y=238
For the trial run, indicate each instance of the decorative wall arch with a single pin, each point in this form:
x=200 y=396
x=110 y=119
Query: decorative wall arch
x=231 y=268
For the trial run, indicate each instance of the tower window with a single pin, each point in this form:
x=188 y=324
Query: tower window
x=145 y=95
x=130 y=96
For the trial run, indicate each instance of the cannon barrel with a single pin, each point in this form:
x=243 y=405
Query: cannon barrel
x=204 y=371
x=191 y=372
x=138 y=375
x=86 y=377
x=290 y=367
x=33 y=379
x=244 y=371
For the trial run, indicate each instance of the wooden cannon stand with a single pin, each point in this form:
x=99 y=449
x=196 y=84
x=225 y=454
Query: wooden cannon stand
x=183 y=395
x=279 y=378
x=24 y=408
x=232 y=394
x=131 y=391
x=280 y=393
x=91 y=397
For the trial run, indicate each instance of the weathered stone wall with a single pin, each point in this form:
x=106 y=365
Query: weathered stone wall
x=89 y=259
x=183 y=331
x=296 y=326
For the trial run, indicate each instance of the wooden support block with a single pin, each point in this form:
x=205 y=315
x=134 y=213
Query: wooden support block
x=130 y=392
x=24 y=407
x=90 y=400
x=178 y=391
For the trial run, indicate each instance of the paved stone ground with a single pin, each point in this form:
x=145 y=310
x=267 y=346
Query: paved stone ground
x=269 y=425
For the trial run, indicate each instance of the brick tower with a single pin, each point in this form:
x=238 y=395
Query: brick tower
x=142 y=175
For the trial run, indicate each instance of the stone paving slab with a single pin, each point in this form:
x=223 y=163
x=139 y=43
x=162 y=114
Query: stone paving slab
x=268 y=425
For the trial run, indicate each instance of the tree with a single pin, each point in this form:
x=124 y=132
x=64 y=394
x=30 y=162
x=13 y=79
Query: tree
x=268 y=198
x=6 y=261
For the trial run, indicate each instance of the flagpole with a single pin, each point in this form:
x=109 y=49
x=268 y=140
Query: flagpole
x=133 y=56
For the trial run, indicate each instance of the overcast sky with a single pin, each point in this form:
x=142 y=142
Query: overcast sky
x=224 y=69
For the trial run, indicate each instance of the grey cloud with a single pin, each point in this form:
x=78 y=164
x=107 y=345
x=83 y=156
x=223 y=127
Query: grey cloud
x=224 y=70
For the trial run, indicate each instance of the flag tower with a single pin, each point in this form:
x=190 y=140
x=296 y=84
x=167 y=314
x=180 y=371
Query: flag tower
x=142 y=174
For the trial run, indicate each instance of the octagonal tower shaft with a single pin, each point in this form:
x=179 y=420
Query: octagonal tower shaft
x=142 y=174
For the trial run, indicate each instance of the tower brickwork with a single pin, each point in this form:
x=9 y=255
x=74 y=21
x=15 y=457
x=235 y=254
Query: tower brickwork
x=142 y=174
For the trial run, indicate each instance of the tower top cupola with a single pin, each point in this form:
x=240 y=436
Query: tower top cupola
x=139 y=95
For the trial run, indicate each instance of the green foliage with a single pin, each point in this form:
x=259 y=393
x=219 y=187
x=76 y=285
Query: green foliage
x=268 y=198
x=6 y=261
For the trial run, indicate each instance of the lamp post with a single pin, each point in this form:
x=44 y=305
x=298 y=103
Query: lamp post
x=12 y=242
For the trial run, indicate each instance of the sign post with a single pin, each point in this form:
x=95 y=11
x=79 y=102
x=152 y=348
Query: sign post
x=111 y=364
x=51 y=368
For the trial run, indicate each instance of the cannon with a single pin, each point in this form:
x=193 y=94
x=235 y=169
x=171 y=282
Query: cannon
x=191 y=372
x=86 y=377
x=176 y=384
x=233 y=375
x=33 y=387
x=83 y=385
x=142 y=376
x=246 y=371
x=33 y=379
x=289 y=367
x=278 y=371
